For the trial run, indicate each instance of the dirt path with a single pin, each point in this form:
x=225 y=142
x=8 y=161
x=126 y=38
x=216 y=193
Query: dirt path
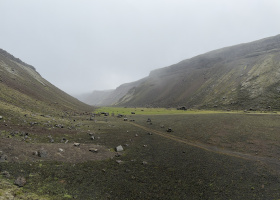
x=272 y=163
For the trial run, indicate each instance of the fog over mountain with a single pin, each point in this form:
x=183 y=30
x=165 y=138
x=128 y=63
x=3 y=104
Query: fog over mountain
x=244 y=76
x=82 y=46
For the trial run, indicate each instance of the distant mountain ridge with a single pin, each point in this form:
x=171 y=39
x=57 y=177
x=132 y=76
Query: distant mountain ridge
x=244 y=76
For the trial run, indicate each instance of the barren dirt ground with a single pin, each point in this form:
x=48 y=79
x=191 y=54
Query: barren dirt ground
x=272 y=163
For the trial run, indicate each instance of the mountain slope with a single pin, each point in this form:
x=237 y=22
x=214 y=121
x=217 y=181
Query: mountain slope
x=22 y=89
x=108 y=97
x=244 y=76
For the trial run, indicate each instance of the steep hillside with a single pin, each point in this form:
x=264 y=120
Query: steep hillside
x=245 y=76
x=23 y=90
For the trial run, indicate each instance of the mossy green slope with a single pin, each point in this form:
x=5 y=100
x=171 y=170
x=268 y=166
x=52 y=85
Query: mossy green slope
x=244 y=76
x=22 y=88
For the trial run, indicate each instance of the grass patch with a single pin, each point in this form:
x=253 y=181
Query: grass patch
x=157 y=111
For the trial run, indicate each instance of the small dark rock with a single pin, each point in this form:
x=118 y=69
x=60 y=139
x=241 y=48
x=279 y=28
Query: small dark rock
x=20 y=181
x=3 y=158
x=5 y=174
x=169 y=130
x=93 y=150
x=42 y=153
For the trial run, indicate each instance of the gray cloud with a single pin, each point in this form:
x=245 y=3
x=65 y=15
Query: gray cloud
x=87 y=45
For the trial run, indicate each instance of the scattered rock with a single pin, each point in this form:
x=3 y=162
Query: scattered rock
x=20 y=181
x=92 y=137
x=119 y=161
x=6 y=174
x=59 y=126
x=149 y=133
x=144 y=163
x=35 y=153
x=33 y=123
x=1 y=117
x=60 y=150
x=76 y=144
x=3 y=158
x=136 y=135
x=169 y=130
x=42 y=153
x=145 y=145
x=93 y=150
x=119 y=148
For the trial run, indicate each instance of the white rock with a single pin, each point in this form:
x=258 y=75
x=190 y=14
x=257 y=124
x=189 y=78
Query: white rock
x=76 y=144
x=119 y=148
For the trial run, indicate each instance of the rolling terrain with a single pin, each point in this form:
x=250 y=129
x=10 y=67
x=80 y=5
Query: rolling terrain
x=245 y=76
x=54 y=147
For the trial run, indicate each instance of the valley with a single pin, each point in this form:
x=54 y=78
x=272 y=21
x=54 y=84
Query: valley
x=207 y=155
x=204 y=128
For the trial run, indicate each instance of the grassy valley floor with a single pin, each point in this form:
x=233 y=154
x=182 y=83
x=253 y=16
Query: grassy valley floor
x=208 y=155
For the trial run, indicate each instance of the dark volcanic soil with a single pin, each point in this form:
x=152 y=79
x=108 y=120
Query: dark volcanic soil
x=20 y=151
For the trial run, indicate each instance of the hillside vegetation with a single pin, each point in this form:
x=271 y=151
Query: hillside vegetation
x=23 y=91
x=53 y=147
x=244 y=76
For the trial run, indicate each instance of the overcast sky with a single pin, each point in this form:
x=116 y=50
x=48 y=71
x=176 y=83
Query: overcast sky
x=86 y=45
